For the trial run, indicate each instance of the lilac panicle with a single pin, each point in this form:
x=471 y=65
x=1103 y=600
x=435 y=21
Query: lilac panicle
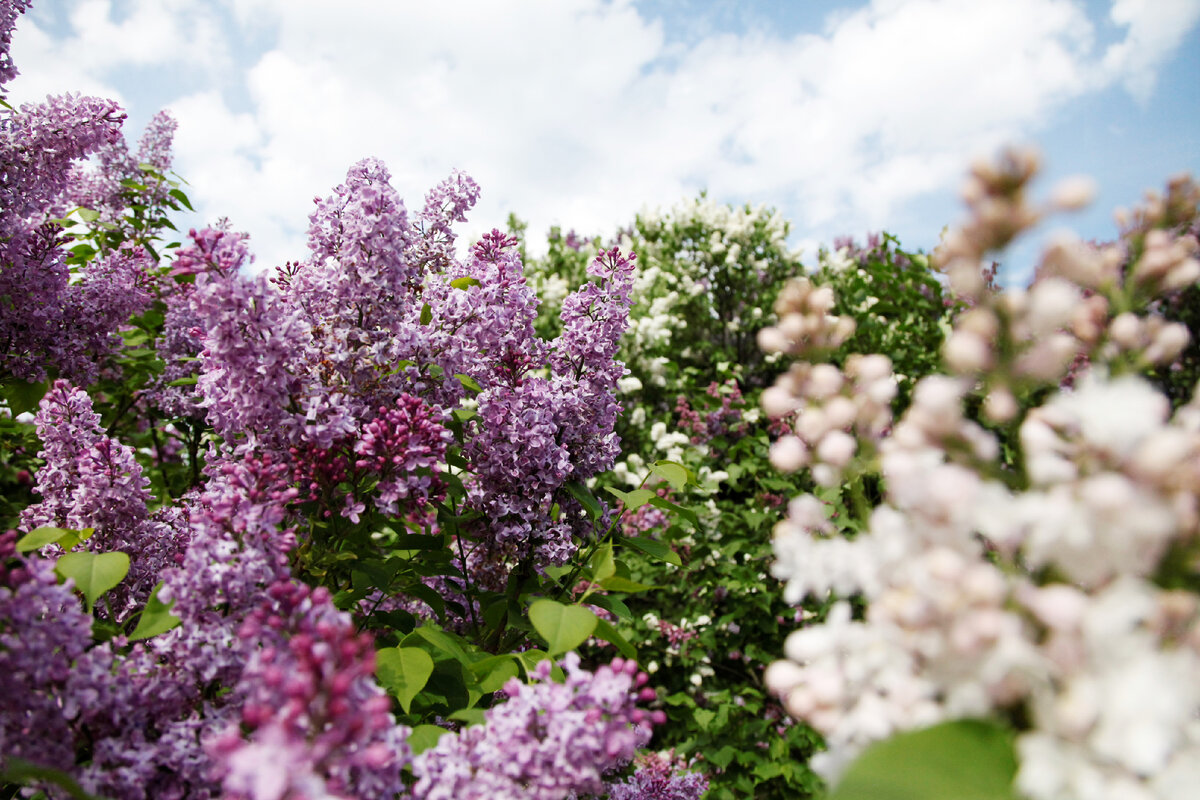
x=446 y=203
x=43 y=629
x=399 y=444
x=9 y=11
x=548 y=741
x=38 y=147
x=314 y=722
x=100 y=188
x=250 y=365
x=361 y=233
x=93 y=481
x=584 y=365
x=659 y=777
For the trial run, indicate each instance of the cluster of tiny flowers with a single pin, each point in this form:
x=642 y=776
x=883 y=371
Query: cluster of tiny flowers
x=106 y=189
x=93 y=481
x=9 y=11
x=830 y=411
x=548 y=741
x=659 y=776
x=43 y=630
x=54 y=321
x=404 y=446
x=314 y=723
x=721 y=421
x=806 y=328
x=990 y=588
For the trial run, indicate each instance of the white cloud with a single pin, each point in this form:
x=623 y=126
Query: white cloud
x=578 y=112
x=1156 y=29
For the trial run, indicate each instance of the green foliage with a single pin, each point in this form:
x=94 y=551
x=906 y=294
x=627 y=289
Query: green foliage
x=960 y=760
x=93 y=573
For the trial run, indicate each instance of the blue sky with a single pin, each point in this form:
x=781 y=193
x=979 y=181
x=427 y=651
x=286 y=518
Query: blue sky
x=848 y=116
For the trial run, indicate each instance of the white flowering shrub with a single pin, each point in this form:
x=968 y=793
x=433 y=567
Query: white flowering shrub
x=1010 y=564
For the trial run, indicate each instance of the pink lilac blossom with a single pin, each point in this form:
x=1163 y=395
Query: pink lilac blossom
x=659 y=776
x=314 y=722
x=548 y=741
x=403 y=446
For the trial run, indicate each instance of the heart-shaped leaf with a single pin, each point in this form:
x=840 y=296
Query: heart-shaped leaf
x=403 y=671
x=93 y=573
x=156 y=618
x=563 y=627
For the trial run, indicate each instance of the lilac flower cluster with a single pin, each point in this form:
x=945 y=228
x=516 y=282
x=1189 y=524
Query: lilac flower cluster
x=659 y=776
x=314 y=723
x=9 y=11
x=549 y=741
x=51 y=320
x=100 y=189
x=93 y=481
x=403 y=445
x=43 y=629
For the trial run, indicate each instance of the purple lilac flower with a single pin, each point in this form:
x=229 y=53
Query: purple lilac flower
x=251 y=363
x=100 y=188
x=93 y=481
x=237 y=550
x=43 y=629
x=38 y=147
x=9 y=11
x=445 y=204
x=548 y=741
x=214 y=249
x=314 y=723
x=49 y=321
x=660 y=777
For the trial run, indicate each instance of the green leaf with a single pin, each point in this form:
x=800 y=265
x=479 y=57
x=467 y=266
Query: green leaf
x=586 y=499
x=438 y=639
x=423 y=737
x=667 y=505
x=93 y=573
x=494 y=672
x=19 y=771
x=38 y=538
x=675 y=474
x=188 y=381
x=468 y=382
x=632 y=500
x=156 y=618
x=464 y=282
x=88 y=215
x=182 y=198
x=603 y=565
x=618 y=584
x=606 y=631
x=403 y=671
x=563 y=627
x=960 y=760
x=130 y=183
x=471 y=716
x=426 y=314
x=22 y=396
x=653 y=547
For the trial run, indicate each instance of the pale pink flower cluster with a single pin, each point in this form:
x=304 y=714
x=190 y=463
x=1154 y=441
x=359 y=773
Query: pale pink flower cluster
x=1031 y=583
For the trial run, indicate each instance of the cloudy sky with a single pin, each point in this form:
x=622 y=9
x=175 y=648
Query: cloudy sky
x=849 y=116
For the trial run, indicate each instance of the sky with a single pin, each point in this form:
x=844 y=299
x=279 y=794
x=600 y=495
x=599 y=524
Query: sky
x=849 y=117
